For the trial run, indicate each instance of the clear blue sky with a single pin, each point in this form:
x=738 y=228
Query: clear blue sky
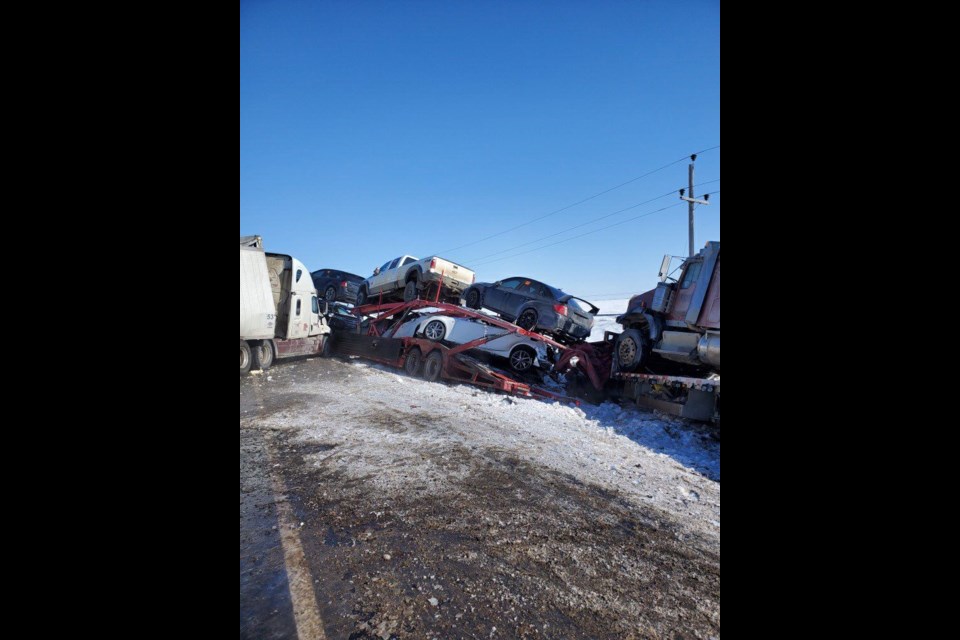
x=374 y=129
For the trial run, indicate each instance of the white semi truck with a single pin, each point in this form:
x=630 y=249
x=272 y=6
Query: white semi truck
x=280 y=313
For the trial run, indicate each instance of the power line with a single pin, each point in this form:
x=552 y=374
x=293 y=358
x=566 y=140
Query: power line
x=575 y=204
x=586 y=224
x=583 y=235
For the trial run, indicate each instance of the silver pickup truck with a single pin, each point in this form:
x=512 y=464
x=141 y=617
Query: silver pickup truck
x=408 y=278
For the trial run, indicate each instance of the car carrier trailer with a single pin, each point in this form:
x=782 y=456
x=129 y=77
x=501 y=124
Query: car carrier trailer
x=422 y=357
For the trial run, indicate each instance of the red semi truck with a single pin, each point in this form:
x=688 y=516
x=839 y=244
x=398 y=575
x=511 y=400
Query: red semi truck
x=679 y=321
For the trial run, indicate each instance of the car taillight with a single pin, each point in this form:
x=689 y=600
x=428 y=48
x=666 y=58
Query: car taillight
x=433 y=264
x=343 y=284
x=561 y=309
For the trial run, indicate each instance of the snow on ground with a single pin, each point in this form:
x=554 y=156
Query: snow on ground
x=606 y=320
x=404 y=434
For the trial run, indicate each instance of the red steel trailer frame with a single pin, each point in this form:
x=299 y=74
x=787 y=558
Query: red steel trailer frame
x=435 y=360
x=692 y=398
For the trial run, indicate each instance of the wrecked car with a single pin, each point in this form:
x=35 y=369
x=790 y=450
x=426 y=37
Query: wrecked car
x=535 y=306
x=522 y=353
x=409 y=279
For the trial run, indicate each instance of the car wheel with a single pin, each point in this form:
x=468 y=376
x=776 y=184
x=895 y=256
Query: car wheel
x=263 y=355
x=330 y=295
x=522 y=359
x=361 y=297
x=410 y=292
x=433 y=366
x=629 y=348
x=246 y=358
x=435 y=330
x=473 y=299
x=528 y=320
x=414 y=363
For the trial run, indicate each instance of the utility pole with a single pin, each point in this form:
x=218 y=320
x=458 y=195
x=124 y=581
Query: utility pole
x=693 y=202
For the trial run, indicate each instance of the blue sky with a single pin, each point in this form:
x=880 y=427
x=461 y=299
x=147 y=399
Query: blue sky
x=374 y=129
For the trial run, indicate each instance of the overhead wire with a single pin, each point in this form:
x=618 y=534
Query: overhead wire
x=576 y=204
x=586 y=224
x=583 y=235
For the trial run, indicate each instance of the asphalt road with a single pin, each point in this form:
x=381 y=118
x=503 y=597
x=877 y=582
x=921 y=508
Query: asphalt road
x=462 y=540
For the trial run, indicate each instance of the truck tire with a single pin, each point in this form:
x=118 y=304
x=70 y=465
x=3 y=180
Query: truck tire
x=327 y=350
x=246 y=358
x=410 y=291
x=630 y=350
x=362 y=297
x=414 y=364
x=473 y=299
x=433 y=366
x=263 y=355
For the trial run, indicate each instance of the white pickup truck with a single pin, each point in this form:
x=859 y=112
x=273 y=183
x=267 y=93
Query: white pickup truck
x=410 y=278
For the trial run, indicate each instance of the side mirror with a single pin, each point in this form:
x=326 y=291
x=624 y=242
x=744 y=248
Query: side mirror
x=376 y=271
x=497 y=284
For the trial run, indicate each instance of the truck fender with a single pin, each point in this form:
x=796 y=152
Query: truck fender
x=643 y=320
x=654 y=327
x=414 y=274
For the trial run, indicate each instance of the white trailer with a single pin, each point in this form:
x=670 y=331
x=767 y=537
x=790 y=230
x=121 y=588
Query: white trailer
x=280 y=313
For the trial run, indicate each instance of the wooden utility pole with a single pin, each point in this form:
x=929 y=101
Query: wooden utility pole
x=693 y=203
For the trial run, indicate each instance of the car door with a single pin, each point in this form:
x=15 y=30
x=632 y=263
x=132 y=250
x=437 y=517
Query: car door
x=377 y=282
x=390 y=277
x=526 y=292
x=496 y=298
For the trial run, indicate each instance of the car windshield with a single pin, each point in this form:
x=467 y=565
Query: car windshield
x=576 y=305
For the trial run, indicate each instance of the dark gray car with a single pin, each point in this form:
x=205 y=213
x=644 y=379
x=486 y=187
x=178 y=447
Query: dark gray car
x=336 y=286
x=536 y=306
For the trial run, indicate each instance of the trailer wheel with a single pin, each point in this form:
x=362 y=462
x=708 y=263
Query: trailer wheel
x=263 y=355
x=473 y=299
x=435 y=331
x=361 y=297
x=630 y=349
x=410 y=291
x=522 y=359
x=246 y=358
x=414 y=363
x=528 y=320
x=433 y=367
